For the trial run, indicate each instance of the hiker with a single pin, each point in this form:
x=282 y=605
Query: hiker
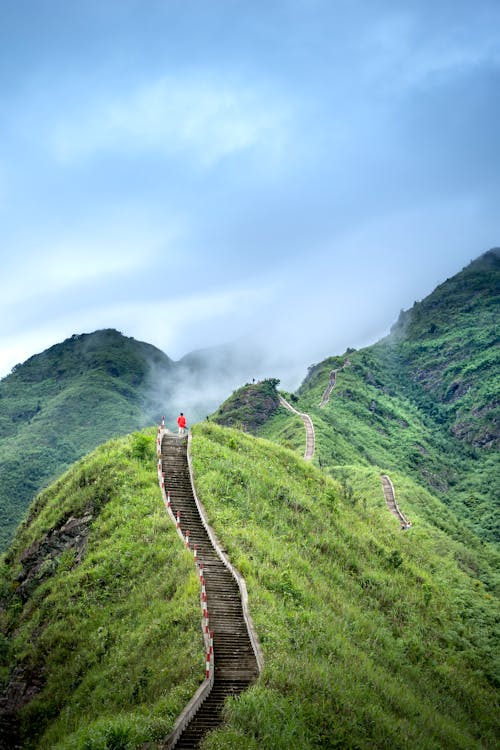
x=181 y=421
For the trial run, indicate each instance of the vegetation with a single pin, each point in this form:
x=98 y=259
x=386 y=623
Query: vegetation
x=371 y=637
x=61 y=404
x=423 y=401
x=249 y=407
x=105 y=637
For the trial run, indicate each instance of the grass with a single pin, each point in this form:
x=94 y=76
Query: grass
x=117 y=637
x=63 y=403
x=371 y=637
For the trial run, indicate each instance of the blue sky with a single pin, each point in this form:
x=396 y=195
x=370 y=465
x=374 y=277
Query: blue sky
x=198 y=172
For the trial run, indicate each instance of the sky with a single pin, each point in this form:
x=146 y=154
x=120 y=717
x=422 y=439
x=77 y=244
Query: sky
x=195 y=172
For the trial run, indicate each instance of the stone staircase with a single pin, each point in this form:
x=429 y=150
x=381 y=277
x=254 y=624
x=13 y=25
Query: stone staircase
x=332 y=383
x=309 y=427
x=390 y=499
x=236 y=665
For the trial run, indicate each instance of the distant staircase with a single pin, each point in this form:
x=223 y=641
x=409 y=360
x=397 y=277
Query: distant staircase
x=310 y=437
x=236 y=654
x=390 y=499
x=331 y=384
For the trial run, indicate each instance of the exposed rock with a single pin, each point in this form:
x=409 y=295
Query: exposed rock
x=456 y=391
x=40 y=559
x=38 y=562
x=24 y=684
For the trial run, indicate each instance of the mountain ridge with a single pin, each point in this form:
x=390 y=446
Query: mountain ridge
x=372 y=636
x=365 y=630
x=91 y=387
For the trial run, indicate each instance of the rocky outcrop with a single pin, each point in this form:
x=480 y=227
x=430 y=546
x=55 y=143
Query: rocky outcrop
x=38 y=562
x=41 y=559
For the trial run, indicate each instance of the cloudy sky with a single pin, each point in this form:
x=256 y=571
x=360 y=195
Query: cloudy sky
x=193 y=172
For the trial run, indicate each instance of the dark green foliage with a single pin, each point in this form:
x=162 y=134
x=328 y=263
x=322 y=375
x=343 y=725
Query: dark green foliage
x=62 y=403
x=102 y=628
x=423 y=401
x=250 y=406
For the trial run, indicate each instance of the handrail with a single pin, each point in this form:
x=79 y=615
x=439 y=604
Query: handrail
x=404 y=521
x=236 y=575
x=204 y=690
x=308 y=424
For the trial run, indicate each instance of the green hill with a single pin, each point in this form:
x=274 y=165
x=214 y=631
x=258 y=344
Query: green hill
x=250 y=407
x=372 y=638
x=61 y=404
x=101 y=645
x=423 y=401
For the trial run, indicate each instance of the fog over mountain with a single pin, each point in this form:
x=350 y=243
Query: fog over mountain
x=289 y=173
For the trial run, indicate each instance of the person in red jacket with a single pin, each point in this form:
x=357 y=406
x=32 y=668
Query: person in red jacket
x=181 y=421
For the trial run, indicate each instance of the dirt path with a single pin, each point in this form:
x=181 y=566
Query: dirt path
x=310 y=437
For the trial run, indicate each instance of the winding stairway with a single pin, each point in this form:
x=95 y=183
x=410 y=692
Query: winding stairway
x=236 y=657
x=331 y=383
x=390 y=499
x=308 y=424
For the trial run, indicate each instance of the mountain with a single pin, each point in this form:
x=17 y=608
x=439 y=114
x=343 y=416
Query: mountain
x=371 y=637
x=449 y=344
x=62 y=403
x=423 y=401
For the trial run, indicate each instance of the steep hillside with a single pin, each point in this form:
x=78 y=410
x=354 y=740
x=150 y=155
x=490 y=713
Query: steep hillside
x=249 y=407
x=62 y=403
x=372 y=638
x=422 y=401
x=99 y=385
x=99 y=610
x=449 y=344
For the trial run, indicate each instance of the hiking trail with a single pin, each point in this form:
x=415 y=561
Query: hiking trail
x=308 y=424
x=390 y=499
x=233 y=654
x=331 y=384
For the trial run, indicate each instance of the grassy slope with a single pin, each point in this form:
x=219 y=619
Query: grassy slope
x=423 y=401
x=369 y=421
x=117 y=636
x=371 y=637
x=249 y=407
x=61 y=404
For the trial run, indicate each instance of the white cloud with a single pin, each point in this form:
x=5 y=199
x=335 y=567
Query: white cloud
x=403 y=50
x=175 y=325
x=81 y=258
x=208 y=119
x=183 y=323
